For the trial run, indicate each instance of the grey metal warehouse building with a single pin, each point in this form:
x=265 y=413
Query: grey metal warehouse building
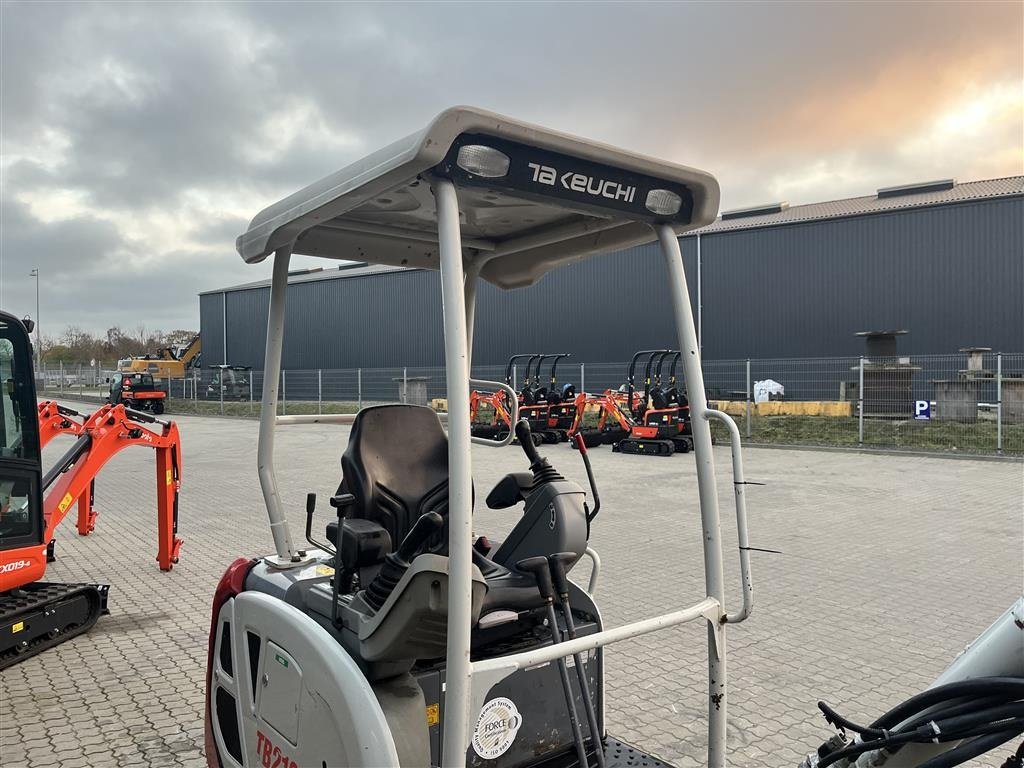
x=943 y=260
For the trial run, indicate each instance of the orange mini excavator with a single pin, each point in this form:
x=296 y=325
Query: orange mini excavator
x=489 y=411
x=35 y=615
x=624 y=419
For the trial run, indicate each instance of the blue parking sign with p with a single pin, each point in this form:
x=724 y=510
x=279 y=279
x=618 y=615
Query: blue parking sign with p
x=922 y=409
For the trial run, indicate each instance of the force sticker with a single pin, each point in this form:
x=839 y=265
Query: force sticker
x=433 y=714
x=496 y=728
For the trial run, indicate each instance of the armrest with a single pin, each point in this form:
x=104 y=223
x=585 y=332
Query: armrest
x=360 y=543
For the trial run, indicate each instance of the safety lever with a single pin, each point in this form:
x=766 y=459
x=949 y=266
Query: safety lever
x=591 y=513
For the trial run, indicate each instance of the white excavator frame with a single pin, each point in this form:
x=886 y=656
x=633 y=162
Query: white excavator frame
x=317 y=216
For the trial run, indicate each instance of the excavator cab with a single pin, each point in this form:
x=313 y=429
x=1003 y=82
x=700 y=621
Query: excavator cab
x=34 y=614
x=21 y=514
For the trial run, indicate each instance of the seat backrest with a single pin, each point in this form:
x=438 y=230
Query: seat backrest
x=659 y=398
x=396 y=467
x=671 y=397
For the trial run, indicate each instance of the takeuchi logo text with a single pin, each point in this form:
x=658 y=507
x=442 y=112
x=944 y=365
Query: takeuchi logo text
x=582 y=183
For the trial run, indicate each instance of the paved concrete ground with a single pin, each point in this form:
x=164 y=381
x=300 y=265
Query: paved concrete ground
x=889 y=566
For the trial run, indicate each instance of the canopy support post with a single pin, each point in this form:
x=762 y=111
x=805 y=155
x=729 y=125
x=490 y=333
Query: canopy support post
x=287 y=556
x=460 y=523
x=471 y=282
x=712 y=535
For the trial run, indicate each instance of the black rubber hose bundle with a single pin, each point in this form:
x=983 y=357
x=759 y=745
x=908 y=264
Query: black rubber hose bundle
x=1008 y=687
x=992 y=715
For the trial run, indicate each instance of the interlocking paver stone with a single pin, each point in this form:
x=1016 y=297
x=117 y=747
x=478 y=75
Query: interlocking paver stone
x=860 y=609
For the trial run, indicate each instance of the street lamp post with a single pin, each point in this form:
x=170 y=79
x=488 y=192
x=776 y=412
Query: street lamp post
x=39 y=347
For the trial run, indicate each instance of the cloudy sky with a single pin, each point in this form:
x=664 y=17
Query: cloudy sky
x=139 y=139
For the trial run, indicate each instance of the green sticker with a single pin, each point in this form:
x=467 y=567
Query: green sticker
x=281 y=660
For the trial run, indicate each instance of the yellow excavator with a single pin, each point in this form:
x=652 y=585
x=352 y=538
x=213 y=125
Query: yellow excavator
x=166 y=363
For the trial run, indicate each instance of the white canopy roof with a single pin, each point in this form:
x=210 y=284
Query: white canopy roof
x=562 y=199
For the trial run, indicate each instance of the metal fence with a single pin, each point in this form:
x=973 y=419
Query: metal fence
x=949 y=403
x=71 y=378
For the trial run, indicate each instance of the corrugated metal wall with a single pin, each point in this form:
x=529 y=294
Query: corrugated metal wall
x=952 y=275
x=211 y=327
x=597 y=310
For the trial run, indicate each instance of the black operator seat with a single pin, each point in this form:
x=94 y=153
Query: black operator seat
x=396 y=467
x=659 y=399
x=663 y=397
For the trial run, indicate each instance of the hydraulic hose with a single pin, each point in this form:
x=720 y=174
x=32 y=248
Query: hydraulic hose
x=971 y=749
x=924 y=734
x=952 y=709
x=833 y=718
x=65 y=462
x=987 y=686
x=986 y=711
x=939 y=715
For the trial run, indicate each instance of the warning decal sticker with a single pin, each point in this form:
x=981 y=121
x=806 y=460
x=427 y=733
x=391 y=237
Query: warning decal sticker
x=496 y=728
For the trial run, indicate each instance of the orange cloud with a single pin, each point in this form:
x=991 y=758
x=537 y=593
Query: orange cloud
x=900 y=99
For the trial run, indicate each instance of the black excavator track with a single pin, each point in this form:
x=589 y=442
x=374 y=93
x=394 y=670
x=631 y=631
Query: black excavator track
x=643 y=447
x=592 y=438
x=41 y=615
x=683 y=444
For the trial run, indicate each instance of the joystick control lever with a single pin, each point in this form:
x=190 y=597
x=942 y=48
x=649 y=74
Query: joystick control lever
x=543 y=472
x=398 y=562
x=539 y=569
x=525 y=438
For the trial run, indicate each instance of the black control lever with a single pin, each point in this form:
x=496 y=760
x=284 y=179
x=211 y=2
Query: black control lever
x=310 y=509
x=591 y=513
x=428 y=524
x=342 y=503
x=543 y=472
x=525 y=438
x=559 y=563
x=541 y=571
x=398 y=562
